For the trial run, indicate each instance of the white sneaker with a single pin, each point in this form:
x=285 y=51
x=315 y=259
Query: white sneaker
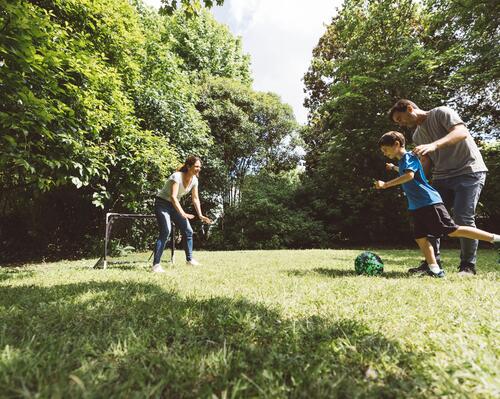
x=158 y=269
x=193 y=262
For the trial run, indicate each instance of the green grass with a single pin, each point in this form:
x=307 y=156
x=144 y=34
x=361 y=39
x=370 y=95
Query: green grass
x=249 y=324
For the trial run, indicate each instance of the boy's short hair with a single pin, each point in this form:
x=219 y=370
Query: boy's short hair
x=401 y=106
x=390 y=138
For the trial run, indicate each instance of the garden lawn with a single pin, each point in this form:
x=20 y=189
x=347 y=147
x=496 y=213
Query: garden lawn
x=250 y=324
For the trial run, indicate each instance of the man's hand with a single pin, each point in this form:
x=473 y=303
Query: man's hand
x=424 y=149
x=188 y=215
x=206 y=220
x=389 y=166
x=379 y=184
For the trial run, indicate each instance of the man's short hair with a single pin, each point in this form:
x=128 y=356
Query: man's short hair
x=401 y=106
x=390 y=138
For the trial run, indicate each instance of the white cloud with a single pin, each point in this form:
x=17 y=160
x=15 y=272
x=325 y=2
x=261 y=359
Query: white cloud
x=279 y=35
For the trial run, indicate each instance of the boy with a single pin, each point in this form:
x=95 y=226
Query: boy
x=429 y=215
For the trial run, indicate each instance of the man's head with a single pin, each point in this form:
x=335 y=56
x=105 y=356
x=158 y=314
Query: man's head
x=403 y=113
x=391 y=144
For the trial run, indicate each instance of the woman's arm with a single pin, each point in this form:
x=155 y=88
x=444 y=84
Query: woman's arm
x=175 y=202
x=197 y=205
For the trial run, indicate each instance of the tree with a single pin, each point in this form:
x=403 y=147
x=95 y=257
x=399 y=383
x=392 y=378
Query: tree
x=207 y=48
x=269 y=216
x=465 y=36
x=249 y=131
x=190 y=7
x=370 y=55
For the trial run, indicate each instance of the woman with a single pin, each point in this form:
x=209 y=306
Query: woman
x=168 y=208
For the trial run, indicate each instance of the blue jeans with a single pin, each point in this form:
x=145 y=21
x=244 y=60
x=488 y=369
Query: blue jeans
x=461 y=193
x=165 y=214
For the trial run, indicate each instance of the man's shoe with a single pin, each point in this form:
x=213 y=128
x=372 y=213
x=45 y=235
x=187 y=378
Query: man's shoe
x=158 y=269
x=422 y=269
x=466 y=269
x=193 y=262
x=439 y=274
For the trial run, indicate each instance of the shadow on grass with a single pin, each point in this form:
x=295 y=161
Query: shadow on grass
x=335 y=273
x=117 y=339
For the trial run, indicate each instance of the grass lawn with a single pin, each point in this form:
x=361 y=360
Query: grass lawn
x=250 y=324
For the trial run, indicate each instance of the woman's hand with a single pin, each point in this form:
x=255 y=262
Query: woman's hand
x=206 y=220
x=187 y=215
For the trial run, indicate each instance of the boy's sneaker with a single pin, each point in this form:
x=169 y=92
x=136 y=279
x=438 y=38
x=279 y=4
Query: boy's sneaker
x=193 y=262
x=158 y=269
x=422 y=269
x=466 y=269
x=439 y=274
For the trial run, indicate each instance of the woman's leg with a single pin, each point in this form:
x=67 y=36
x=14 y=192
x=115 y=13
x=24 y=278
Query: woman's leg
x=187 y=233
x=163 y=218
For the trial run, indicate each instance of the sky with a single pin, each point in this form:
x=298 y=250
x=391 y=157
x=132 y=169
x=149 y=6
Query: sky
x=279 y=36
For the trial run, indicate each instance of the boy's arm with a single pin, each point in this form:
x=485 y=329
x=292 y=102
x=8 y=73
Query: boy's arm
x=391 y=166
x=379 y=184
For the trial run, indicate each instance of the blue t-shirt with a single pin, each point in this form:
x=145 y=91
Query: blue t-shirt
x=418 y=190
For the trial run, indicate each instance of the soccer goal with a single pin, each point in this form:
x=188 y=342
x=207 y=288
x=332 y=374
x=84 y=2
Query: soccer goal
x=111 y=218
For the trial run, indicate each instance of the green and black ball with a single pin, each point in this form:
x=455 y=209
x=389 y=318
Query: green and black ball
x=369 y=264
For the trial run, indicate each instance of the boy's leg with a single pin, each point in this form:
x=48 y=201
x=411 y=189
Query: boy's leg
x=428 y=252
x=472 y=234
x=448 y=196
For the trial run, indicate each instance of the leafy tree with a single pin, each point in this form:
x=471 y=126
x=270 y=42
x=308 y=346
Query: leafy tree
x=373 y=53
x=370 y=55
x=207 y=48
x=66 y=114
x=249 y=131
x=466 y=37
x=268 y=216
x=190 y=7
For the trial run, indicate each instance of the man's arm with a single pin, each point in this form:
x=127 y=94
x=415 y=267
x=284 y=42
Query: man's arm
x=409 y=175
x=455 y=135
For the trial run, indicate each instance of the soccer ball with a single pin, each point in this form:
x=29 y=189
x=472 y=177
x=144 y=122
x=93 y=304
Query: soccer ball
x=369 y=264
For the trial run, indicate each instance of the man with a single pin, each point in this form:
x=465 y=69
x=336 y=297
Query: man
x=445 y=145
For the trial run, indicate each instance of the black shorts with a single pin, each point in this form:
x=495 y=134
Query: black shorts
x=433 y=220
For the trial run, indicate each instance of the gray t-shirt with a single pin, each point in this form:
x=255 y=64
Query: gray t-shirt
x=459 y=159
x=166 y=191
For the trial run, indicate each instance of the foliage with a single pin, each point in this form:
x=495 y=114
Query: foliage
x=207 y=48
x=189 y=7
x=67 y=116
x=488 y=209
x=251 y=131
x=373 y=53
x=465 y=35
x=268 y=216
x=369 y=56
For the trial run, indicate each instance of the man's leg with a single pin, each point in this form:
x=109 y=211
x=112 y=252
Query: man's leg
x=467 y=191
